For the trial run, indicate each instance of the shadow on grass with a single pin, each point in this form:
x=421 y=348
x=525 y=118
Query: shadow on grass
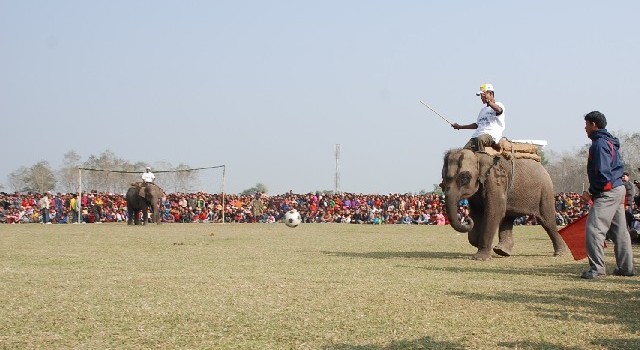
x=568 y=269
x=392 y=255
x=428 y=343
x=422 y=343
x=423 y=255
x=618 y=343
x=536 y=346
x=617 y=306
x=621 y=344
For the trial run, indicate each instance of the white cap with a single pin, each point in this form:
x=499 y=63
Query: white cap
x=484 y=88
x=148 y=168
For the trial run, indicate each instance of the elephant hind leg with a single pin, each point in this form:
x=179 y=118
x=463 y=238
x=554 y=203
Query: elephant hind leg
x=559 y=247
x=505 y=237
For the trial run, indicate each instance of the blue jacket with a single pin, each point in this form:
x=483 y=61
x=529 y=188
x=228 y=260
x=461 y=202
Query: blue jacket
x=604 y=167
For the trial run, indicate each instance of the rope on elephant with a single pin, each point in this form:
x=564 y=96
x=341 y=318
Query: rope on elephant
x=513 y=166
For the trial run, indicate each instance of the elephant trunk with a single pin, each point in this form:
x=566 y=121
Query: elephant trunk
x=452 y=213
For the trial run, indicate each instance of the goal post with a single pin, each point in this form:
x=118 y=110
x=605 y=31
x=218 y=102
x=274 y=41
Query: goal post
x=222 y=184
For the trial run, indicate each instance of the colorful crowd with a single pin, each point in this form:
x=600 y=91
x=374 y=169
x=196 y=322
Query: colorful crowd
x=424 y=209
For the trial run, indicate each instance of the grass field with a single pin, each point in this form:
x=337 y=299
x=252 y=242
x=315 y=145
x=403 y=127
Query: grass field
x=319 y=286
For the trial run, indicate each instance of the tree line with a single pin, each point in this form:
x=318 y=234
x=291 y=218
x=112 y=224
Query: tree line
x=41 y=177
x=567 y=171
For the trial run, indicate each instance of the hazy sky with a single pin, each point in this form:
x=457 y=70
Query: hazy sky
x=268 y=88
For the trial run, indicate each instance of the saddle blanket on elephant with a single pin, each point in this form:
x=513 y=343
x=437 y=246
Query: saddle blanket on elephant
x=517 y=150
x=141 y=186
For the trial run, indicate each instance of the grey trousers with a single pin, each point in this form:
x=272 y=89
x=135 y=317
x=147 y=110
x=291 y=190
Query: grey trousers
x=607 y=215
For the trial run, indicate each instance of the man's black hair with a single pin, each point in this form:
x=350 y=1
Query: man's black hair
x=598 y=118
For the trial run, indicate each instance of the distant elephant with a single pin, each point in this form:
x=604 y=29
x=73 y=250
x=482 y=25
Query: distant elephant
x=137 y=203
x=498 y=191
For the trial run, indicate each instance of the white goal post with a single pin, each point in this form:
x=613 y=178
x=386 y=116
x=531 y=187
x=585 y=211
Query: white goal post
x=222 y=193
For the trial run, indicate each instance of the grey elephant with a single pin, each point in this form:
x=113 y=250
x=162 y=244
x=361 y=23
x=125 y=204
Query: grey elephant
x=498 y=191
x=137 y=203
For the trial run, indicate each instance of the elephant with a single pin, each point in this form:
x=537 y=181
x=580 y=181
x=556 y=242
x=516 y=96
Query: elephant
x=137 y=203
x=498 y=191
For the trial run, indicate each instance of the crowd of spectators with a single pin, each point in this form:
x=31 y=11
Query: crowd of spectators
x=423 y=209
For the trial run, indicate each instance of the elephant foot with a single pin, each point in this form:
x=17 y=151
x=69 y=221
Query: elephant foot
x=481 y=255
x=501 y=250
x=560 y=252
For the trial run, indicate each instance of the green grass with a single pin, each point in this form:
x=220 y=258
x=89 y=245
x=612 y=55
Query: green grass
x=319 y=286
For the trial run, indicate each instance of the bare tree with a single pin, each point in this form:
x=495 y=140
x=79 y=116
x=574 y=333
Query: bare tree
x=259 y=187
x=18 y=179
x=42 y=177
x=568 y=171
x=68 y=176
x=164 y=179
x=108 y=176
x=630 y=152
x=185 y=180
x=38 y=178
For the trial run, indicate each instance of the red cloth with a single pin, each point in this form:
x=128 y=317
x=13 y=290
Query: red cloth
x=574 y=235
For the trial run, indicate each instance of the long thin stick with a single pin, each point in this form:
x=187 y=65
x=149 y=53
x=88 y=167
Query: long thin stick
x=434 y=111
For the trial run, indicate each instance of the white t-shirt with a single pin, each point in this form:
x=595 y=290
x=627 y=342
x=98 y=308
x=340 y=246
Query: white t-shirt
x=148 y=177
x=490 y=123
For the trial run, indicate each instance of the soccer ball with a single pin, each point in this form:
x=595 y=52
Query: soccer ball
x=292 y=218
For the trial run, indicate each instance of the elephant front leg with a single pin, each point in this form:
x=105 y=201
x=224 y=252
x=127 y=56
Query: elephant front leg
x=136 y=217
x=156 y=214
x=491 y=220
x=144 y=216
x=505 y=237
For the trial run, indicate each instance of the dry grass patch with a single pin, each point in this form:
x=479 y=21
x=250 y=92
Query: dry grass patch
x=321 y=286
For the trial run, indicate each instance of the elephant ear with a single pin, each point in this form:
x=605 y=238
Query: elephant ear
x=485 y=163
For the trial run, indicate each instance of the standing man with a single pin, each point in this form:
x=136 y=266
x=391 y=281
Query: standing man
x=44 y=204
x=257 y=207
x=605 y=169
x=636 y=199
x=628 y=199
x=490 y=123
x=73 y=207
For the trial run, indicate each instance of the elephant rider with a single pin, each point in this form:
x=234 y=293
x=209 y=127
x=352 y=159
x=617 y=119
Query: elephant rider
x=147 y=177
x=490 y=123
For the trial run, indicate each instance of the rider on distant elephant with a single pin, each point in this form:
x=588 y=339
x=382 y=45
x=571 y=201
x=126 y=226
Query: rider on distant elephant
x=147 y=177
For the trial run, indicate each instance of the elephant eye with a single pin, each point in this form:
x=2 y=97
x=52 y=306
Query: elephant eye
x=463 y=178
